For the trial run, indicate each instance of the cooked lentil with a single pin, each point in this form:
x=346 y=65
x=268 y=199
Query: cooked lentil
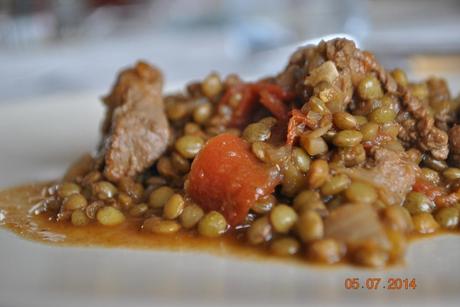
x=339 y=134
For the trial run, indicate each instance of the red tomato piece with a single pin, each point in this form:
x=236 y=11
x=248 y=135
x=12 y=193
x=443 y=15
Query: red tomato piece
x=225 y=176
x=273 y=104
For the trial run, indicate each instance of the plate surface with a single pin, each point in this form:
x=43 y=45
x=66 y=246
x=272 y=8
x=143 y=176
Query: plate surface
x=38 y=140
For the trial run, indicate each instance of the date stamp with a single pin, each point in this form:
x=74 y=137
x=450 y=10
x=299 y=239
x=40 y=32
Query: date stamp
x=376 y=283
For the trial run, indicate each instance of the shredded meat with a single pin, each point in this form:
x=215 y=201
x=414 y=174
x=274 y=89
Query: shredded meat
x=136 y=130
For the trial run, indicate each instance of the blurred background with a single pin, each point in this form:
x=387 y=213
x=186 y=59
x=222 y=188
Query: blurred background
x=52 y=47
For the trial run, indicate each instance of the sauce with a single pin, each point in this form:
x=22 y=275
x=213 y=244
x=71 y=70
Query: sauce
x=16 y=214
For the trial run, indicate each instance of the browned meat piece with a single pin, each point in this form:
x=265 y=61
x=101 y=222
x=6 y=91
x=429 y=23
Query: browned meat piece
x=392 y=173
x=440 y=100
x=454 y=142
x=136 y=130
x=418 y=128
x=352 y=65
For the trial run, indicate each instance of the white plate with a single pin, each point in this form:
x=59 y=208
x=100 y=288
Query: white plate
x=38 y=139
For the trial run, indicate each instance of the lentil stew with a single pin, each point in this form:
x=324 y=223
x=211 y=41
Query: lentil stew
x=333 y=160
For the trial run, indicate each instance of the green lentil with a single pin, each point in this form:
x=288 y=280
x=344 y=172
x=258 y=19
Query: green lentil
x=256 y=132
x=202 y=113
x=451 y=173
x=79 y=218
x=326 y=251
x=400 y=77
x=369 y=131
x=285 y=246
x=188 y=146
x=310 y=226
x=110 y=216
x=345 y=121
x=425 y=223
x=417 y=202
x=360 y=192
x=160 y=196
x=301 y=159
x=370 y=88
x=138 y=210
x=67 y=189
x=213 y=224
x=347 y=138
x=191 y=215
x=313 y=145
x=159 y=226
x=382 y=115
x=173 y=207
x=212 y=85
x=283 y=218
x=74 y=202
x=104 y=190
x=260 y=231
x=336 y=185
x=318 y=173
x=448 y=217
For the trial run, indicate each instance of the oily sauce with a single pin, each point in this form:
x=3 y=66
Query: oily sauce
x=17 y=215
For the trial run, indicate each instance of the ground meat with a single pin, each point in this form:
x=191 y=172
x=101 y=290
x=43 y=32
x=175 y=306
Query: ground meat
x=418 y=128
x=352 y=64
x=392 y=173
x=136 y=129
x=454 y=142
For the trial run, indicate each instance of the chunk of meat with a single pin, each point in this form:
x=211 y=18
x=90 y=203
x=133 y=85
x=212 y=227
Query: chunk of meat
x=136 y=130
x=227 y=177
x=392 y=173
x=454 y=142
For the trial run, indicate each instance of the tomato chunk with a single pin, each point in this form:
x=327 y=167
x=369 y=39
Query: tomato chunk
x=225 y=176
